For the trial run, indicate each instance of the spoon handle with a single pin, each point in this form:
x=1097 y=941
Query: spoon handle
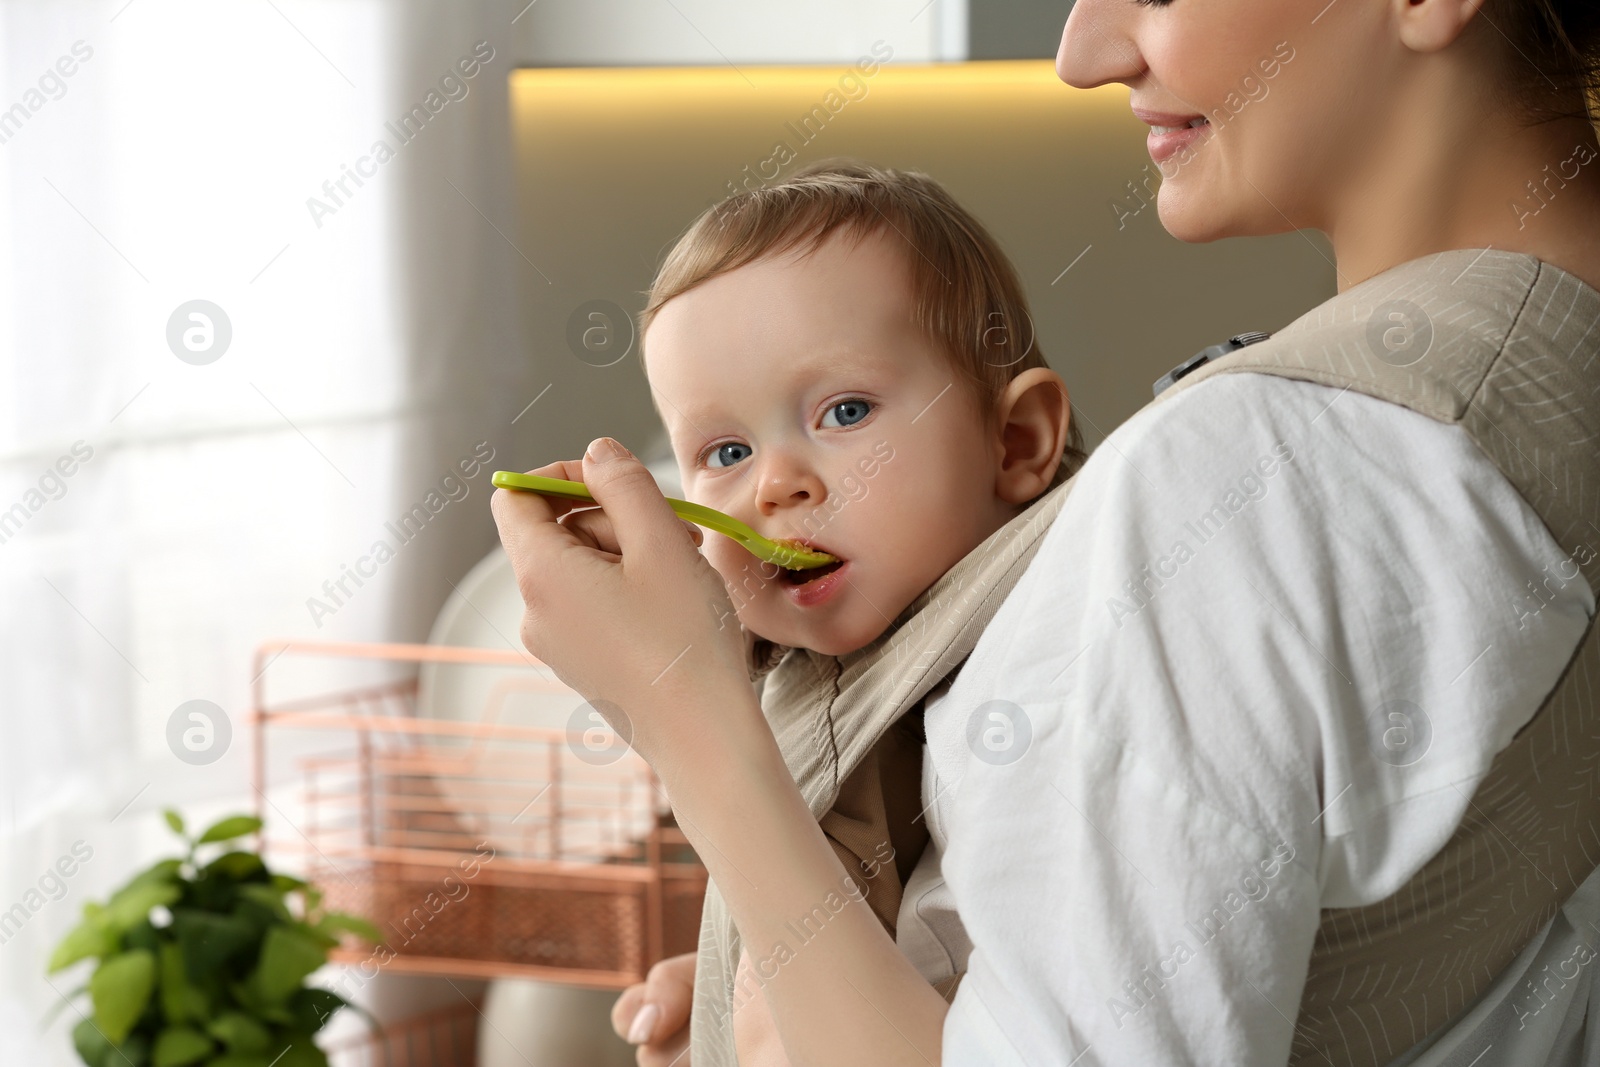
x=699 y=514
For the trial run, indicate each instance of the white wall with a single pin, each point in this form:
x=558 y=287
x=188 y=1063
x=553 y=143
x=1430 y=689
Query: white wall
x=649 y=32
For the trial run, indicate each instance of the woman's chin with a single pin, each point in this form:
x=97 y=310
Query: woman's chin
x=1198 y=213
x=1189 y=217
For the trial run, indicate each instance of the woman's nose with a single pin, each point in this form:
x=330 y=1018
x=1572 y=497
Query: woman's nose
x=783 y=482
x=1097 y=46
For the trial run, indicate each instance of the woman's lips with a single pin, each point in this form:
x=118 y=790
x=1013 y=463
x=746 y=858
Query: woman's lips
x=1171 y=134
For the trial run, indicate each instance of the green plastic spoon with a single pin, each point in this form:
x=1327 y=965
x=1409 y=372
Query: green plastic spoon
x=790 y=555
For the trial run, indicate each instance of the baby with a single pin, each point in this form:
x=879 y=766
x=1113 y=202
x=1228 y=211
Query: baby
x=844 y=359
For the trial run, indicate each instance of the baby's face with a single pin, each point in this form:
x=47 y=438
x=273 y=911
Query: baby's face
x=803 y=399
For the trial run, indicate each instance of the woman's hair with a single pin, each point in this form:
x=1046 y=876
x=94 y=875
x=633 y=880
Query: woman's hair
x=1552 y=51
x=967 y=294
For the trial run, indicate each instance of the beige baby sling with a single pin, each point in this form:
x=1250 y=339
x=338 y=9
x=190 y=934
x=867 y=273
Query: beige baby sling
x=1508 y=348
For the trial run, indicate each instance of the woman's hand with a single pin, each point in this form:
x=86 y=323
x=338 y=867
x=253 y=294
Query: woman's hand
x=629 y=614
x=654 y=1014
x=626 y=612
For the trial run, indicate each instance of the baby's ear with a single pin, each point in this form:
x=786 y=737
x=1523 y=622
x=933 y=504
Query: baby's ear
x=1035 y=420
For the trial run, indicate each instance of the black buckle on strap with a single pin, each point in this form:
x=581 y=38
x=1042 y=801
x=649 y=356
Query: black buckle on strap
x=1206 y=355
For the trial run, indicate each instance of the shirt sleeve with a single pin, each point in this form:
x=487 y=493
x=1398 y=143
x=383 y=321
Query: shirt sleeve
x=1257 y=668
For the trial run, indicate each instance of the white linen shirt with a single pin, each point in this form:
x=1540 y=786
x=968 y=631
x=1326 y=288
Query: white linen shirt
x=1258 y=666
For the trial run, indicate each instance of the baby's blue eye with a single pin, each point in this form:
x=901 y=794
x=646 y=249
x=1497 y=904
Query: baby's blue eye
x=725 y=455
x=850 y=412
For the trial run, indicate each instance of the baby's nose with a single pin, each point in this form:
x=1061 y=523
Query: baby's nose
x=789 y=484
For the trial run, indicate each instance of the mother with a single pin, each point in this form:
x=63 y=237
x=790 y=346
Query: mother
x=1307 y=658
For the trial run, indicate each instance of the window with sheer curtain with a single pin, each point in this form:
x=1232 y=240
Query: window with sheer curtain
x=233 y=343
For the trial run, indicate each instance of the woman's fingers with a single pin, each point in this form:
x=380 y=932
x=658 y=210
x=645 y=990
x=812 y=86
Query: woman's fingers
x=534 y=527
x=670 y=986
x=591 y=523
x=529 y=523
x=627 y=490
x=569 y=470
x=654 y=1014
x=626 y=1009
x=594 y=526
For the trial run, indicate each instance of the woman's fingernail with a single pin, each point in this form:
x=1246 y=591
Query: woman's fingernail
x=604 y=448
x=643 y=1023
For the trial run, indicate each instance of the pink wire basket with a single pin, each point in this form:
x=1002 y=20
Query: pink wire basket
x=480 y=848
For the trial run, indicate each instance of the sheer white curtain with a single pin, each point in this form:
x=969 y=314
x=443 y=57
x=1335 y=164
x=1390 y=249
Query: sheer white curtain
x=159 y=516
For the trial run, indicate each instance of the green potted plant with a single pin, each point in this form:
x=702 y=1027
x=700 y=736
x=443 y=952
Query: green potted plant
x=203 y=960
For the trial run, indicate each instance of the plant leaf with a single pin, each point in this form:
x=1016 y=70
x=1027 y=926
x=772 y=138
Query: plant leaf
x=287 y=957
x=303 y=1052
x=239 y=1032
x=175 y=821
x=236 y=865
x=94 y=1049
x=132 y=903
x=134 y=1050
x=267 y=897
x=313 y=898
x=120 y=989
x=143 y=935
x=178 y=1046
x=286 y=883
x=92 y=937
x=209 y=941
x=335 y=923
x=162 y=871
x=181 y=1000
x=91 y=1044
x=311 y=933
x=314 y=1007
x=245 y=996
x=230 y=828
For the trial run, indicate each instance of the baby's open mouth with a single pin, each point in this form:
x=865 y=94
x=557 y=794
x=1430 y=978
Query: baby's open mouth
x=807 y=575
x=810 y=574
